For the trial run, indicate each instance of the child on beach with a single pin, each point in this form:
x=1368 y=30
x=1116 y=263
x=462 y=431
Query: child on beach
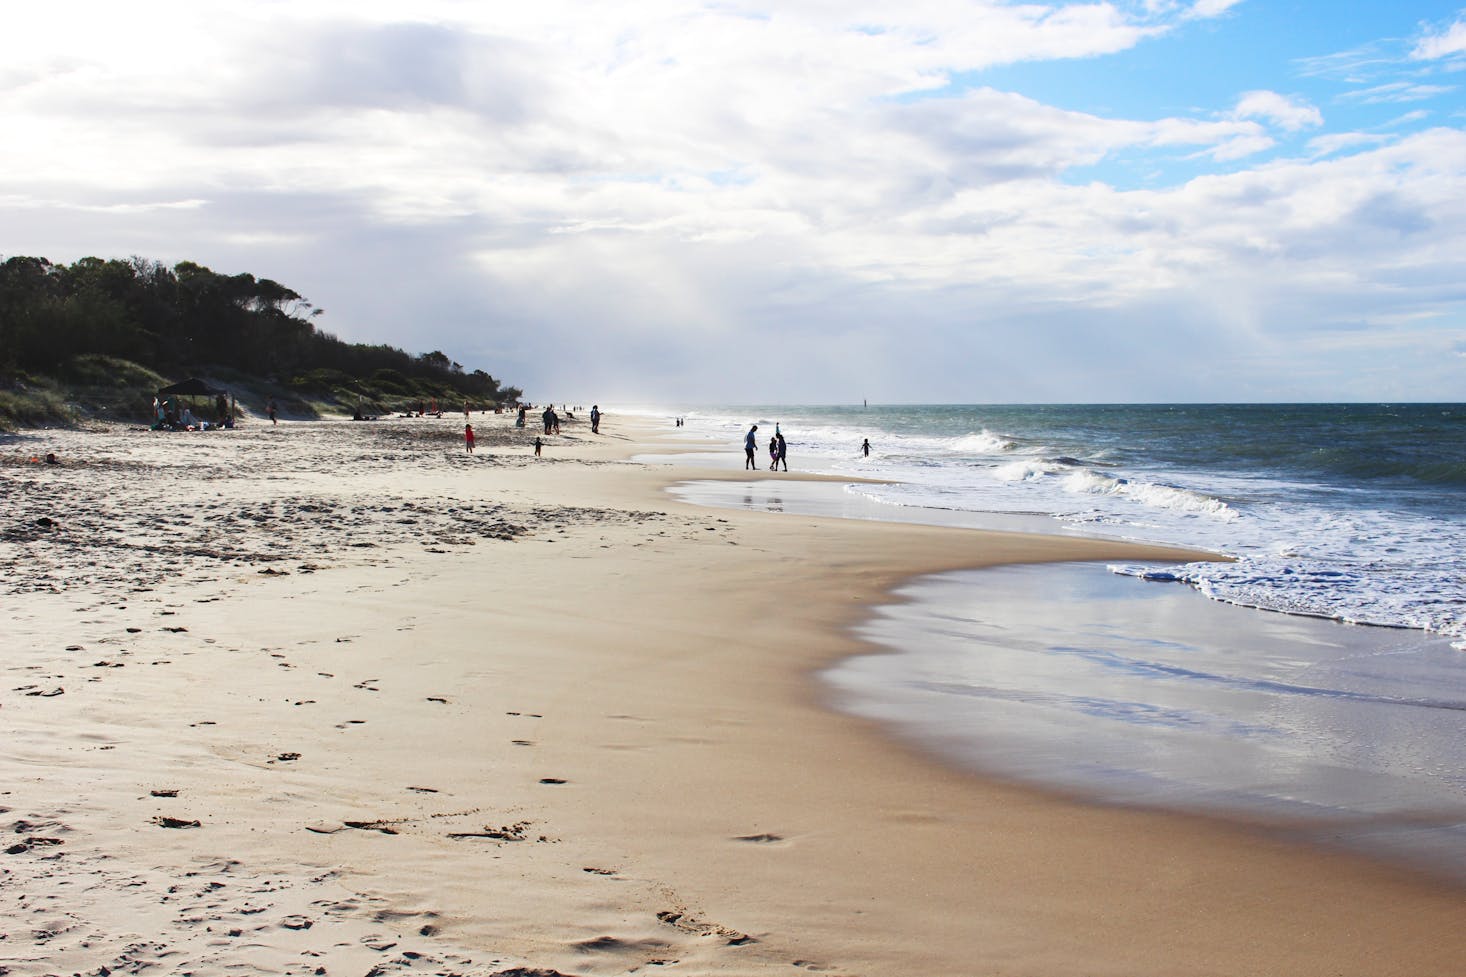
x=537 y=444
x=468 y=437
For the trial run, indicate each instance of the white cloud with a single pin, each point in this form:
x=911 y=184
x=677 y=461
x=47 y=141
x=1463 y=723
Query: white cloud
x=1451 y=41
x=1398 y=91
x=1206 y=9
x=1286 y=113
x=1341 y=142
x=505 y=178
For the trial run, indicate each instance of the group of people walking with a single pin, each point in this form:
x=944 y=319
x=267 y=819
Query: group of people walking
x=778 y=449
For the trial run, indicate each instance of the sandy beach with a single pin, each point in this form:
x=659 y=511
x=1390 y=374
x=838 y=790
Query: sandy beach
x=340 y=698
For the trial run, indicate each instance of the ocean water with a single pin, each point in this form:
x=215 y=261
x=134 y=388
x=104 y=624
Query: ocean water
x=1122 y=683
x=1351 y=512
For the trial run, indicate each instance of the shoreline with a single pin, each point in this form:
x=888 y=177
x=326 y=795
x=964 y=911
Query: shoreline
x=637 y=678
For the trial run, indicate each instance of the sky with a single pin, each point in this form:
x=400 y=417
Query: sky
x=802 y=201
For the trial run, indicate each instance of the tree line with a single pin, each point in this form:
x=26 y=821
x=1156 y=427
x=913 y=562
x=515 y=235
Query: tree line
x=185 y=319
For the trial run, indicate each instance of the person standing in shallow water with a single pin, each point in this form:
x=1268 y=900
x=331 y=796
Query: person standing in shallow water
x=750 y=449
x=783 y=453
x=468 y=437
x=865 y=447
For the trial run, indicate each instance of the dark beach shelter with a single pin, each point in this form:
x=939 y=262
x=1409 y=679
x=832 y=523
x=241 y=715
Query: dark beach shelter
x=190 y=388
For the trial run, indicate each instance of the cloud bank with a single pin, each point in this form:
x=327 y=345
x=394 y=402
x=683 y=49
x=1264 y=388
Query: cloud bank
x=753 y=202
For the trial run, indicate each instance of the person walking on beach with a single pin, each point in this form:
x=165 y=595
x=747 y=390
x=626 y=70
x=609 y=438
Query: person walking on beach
x=783 y=452
x=865 y=447
x=750 y=449
x=468 y=437
x=272 y=410
x=595 y=419
x=774 y=453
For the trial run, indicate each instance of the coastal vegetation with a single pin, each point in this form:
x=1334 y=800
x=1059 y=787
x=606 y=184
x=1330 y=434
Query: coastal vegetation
x=98 y=337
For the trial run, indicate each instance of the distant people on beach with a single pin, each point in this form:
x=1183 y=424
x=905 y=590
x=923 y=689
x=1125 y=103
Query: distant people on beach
x=865 y=447
x=519 y=422
x=468 y=437
x=595 y=419
x=537 y=445
x=750 y=449
x=782 y=455
x=272 y=410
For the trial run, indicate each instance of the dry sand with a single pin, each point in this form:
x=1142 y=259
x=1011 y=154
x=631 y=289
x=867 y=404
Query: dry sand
x=338 y=698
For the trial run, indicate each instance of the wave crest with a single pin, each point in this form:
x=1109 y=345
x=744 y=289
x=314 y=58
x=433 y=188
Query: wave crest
x=1155 y=495
x=984 y=442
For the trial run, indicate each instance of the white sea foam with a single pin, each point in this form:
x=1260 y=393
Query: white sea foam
x=1023 y=470
x=984 y=443
x=1086 y=482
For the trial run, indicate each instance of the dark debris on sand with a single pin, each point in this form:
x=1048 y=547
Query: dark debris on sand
x=118 y=518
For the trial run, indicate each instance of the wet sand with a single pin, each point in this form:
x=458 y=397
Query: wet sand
x=341 y=698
